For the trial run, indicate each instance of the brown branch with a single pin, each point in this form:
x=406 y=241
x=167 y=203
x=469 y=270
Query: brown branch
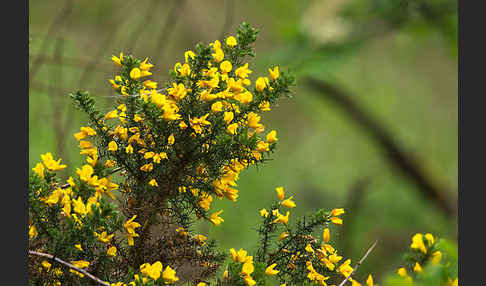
x=91 y=276
x=395 y=154
x=359 y=263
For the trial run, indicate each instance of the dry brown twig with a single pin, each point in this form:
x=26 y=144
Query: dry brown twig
x=91 y=276
x=359 y=263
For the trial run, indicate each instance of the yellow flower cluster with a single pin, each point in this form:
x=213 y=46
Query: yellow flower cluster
x=247 y=268
x=425 y=246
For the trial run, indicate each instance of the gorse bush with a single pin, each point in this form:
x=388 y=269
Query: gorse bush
x=175 y=149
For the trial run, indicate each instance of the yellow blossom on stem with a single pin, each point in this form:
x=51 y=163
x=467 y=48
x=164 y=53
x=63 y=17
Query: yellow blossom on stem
x=39 y=170
x=169 y=275
x=274 y=73
x=117 y=60
x=50 y=163
x=336 y=220
x=111 y=251
x=171 y=139
x=326 y=235
x=260 y=83
x=272 y=136
x=417 y=267
x=280 y=193
x=289 y=203
x=263 y=213
x=270 y=271
x=112 y=146
x=231 y=41
x=436 y=257
x=418 y=243
x=215 y=219
x=153 y=183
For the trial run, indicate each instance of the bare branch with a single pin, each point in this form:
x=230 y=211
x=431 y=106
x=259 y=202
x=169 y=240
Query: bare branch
x=359 y=263
x=91 y=276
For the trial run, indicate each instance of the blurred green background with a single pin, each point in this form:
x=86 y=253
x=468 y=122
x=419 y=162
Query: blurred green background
x=396 y=60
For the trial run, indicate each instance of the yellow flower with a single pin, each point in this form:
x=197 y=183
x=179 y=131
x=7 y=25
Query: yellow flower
x=144 y=66
x=78 y=247
x=264 y=106
x=39 y=170
x=418 y=243
x=169 y=275
x=32 y=232
x=118 y=61
x=284 y=235
x=147 y=167
x=109 y=163
x=336 y=212
x=263 y=212
x=228 y=116
x=111 y=251
x=402 y=272
x=129 y=149
x=280 y=193
x=218 y=55
x=80 y=263
x=112 y=146
x=249 y=280
x=260 y=83
x=225 y=66
x=247 y=268
x=112 y=114
x=231 y=129
x=189 y=54
x=215 y=219
x=46 y=265
x=336 y=220
x=283 y=219
x=274 y=73
x=185 y=70
x=201 y=284
x=253 y=120
x=135 y=73
x=243 y=71
x=270 y=271
x=153 y=183
x=171 y=139
x=50 y=163
x=326 y=235
x=289 y=203
x=153 y=271
x=231 y=41
x=104 y=237
x=272 y=136
x=430 y=238
x=369 y=281
x=417 y=267
x=217 y=107
x=436 y=257
x=309 y=248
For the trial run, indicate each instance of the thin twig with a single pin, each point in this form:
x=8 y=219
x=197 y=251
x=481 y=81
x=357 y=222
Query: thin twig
x=70 y=266
x=359 y=263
